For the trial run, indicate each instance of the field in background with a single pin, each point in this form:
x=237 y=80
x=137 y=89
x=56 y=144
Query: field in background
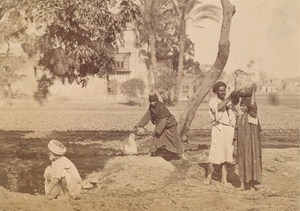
x=281 y=113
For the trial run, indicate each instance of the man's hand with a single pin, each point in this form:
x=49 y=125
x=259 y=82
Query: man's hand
x=48 y=196
x=154 y=134
x=135 y=127
x=234 y=95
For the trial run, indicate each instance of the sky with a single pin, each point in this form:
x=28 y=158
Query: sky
x=265 y=31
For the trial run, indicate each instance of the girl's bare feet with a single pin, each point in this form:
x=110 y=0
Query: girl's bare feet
x=242 y=187
x=257 y=187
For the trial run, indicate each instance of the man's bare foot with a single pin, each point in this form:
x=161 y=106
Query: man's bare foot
x=224 y=181
x=207 y=181
x=226 y=184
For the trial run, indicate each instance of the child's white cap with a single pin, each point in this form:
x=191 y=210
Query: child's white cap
x=56 y=147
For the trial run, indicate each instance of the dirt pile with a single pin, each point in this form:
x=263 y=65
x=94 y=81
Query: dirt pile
x=151 y=183
x=132 y=174
x=19 y=201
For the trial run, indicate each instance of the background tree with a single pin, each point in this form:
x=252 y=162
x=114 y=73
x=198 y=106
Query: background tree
x=42 y=89
x=167 y=55
x=133 y=89
x=166 y=80
x=190 y=12
x=12 y=28
x=167 y=51
x=250 y=65
x=70 y=39
x=148 y=23
x=212 y=76
x=9 y=74
x=76 y=38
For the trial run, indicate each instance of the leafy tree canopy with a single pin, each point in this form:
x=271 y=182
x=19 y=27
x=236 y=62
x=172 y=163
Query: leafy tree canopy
x=9 y=74
x=76 y=38
x=167 y=44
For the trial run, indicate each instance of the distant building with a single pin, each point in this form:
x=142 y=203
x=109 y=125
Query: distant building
x=270 y=85
x=188 y=88
x=128 y=64
x=292 y=85
x=190 y=84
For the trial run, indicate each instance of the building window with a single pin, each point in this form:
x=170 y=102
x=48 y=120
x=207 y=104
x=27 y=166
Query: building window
x=119 y=64
x=122 y=63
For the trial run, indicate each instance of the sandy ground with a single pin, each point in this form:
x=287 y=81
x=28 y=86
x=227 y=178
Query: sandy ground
x=147 y=183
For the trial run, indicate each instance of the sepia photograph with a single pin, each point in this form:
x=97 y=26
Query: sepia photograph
x=159 y=105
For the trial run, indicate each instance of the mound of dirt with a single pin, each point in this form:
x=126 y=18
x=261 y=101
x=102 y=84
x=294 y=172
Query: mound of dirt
x=152 y=183
x=132 y=174
x=4 y=194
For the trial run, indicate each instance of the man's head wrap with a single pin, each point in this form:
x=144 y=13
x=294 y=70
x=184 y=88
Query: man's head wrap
x=56 y=147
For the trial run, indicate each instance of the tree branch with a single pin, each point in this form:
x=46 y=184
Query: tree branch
x=213 y=75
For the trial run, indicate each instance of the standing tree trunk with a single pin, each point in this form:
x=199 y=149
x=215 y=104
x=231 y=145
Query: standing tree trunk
x=214 y=74
x=152 y=43
x=180 y=57
x=149 y=71
x=8 y=94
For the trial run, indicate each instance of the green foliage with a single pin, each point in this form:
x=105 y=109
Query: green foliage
x=76 y=38
x=165 y=26
x=9 y=68
x=166 y=81
x=166 y=78
x=150 y=16
x=168 y=50
x=194 y=12
x=43 y=89
x=133 y=89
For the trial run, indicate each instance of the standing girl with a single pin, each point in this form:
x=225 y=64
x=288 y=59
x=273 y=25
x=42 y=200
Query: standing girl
x=248 y=143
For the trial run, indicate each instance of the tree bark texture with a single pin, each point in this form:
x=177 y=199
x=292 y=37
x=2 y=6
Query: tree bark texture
x=180 y=57
x=153 y=63
x=213 y=75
